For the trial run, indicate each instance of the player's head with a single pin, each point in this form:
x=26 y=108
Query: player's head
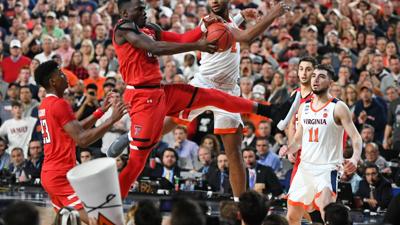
x=49 y=76
x=133 y=10
x=218 y=7
x=321 y=79
x=306 y=68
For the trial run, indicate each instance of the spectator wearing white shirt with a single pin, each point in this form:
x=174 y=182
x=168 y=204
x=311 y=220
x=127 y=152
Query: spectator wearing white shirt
x=47 y=46
x=18 y=130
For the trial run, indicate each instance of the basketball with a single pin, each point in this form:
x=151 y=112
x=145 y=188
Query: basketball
x=218 y=31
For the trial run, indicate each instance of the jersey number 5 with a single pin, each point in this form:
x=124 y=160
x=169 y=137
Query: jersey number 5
x=45 y=132
x=313 y=132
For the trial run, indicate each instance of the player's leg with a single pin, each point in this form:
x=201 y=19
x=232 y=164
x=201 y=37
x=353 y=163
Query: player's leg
x=237 y=171
x=295 y=214
x=184 y=96
x=169 y=124
x=229 y=127
x=147 y=116
x=300 y=195
x=327 y=186
x=83 y=216
x=324 y=199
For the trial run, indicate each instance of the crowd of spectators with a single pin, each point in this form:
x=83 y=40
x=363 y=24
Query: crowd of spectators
x=360 y=39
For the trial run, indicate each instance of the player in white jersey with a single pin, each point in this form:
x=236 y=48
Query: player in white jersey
x=221 y=71
x=322 y=121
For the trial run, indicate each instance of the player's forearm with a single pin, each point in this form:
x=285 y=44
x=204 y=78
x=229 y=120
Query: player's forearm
x=238 y=19
x=357 y=147
x=89 y=136
x=170 y=48
x=291 y=130
x=187 y=37
x=88 y=122
x=293 y=147
x=80 y=111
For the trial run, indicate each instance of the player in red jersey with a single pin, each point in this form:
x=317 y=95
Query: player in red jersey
x=137 y=45
x=61 y=132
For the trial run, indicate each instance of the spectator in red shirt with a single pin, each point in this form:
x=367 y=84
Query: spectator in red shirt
x=12 y=65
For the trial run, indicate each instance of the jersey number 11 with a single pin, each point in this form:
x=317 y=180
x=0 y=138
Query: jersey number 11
x=313 y=132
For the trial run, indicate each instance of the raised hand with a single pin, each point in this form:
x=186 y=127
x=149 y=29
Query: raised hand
x=249 y=14
x=208 y=20
x=119 y=109
x=349 y=166
x=108 y=101
x=282 y=8
x=283 y=151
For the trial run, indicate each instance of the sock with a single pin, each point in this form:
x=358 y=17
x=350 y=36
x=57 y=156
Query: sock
x=264 y=110
x=136 y=162
x=235 y=199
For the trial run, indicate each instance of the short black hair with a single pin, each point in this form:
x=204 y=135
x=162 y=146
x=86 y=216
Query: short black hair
x=13 y=84
x=16 y=103
x=91 y=86
x=262 y=139
x=249 y=125
x=85 y=150
x=275 y=219
x=328 y=69
x=21 y=213
x=309 y=59
x=170 y=150
x=337 y=214
x=122 y=3
x=25 y=86
x=253 y=207
x=147 y=213
x=187 y=212
x=370 y=165
x=44 y=71
x=249 y=149
x=111 y=78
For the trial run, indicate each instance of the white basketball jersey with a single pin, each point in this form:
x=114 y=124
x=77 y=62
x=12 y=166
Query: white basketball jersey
x=221 y=67
x=322 y=141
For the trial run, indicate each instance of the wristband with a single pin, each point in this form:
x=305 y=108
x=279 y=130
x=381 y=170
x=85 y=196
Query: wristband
x=238 y=19
x=203 y=27
x=98 y=113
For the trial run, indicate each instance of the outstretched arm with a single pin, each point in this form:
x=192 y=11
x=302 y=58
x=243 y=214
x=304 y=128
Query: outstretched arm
x=128 y=32
x=342 y=113
x=294 y=144
x=89 y=121
x=251 y=33
x=187 y=37
x=85 y=137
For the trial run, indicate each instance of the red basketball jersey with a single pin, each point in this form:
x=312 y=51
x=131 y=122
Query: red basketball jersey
x=59 y=147
x=302 y=100
x=137 y=66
